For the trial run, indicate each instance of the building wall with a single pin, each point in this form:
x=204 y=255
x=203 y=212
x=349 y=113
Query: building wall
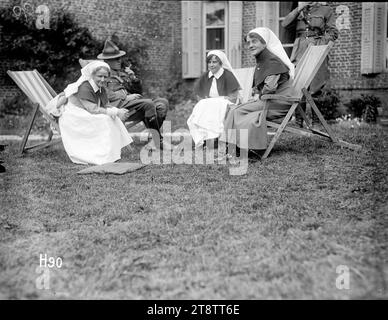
x=157 y=22
x=344 y=59
x=249 y=23
x=345 y=62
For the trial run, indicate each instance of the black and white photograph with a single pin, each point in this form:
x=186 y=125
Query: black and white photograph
x=212 y=152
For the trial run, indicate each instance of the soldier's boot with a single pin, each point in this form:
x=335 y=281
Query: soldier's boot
x=161 y=105
x=153 y=124
x=298 y=116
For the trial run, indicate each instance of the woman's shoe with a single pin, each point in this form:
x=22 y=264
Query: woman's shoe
x=233 y=160
x=223 y=157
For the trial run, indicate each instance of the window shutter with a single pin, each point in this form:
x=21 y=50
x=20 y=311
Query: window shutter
x=380 y=31
x=373 y=37
x=235 y=33
x=267 y=15
x=367 y=38
x=191 y=39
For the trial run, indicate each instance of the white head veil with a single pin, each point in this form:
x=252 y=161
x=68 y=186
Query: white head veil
x=225 y=62
x=275 y=46
x=86 y=75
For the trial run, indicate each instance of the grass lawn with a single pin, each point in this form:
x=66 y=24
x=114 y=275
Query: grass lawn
x=195 y=232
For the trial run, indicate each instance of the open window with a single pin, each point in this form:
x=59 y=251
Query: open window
x=271 y=14
x=286 y=36
x=210 y=25
x=215 y=26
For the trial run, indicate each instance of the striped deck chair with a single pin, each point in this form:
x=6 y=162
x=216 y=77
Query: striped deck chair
x=36 y=88
x=305 y=72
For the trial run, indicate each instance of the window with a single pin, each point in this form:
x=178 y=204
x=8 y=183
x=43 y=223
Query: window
x=206 y=26
x=215 y=26
x=286 y=36
x=271 y=14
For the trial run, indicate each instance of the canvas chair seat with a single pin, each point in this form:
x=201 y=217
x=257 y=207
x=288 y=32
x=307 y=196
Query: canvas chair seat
x=305 y=72
x=39 y=92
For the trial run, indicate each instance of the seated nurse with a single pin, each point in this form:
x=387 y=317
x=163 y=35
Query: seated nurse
x=91 y=129
x=273 y=71
x=215 y=89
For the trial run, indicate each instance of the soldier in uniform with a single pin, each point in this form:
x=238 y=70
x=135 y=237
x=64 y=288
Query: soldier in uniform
x=314 y=23
x=121 y=85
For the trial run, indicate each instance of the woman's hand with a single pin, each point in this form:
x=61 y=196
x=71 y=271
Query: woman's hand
x=123 y=114
x=134 y=96
x=254 y=98
x=62 y=100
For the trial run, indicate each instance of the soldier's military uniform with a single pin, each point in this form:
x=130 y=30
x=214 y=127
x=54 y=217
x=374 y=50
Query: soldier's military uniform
x=315 y=24
x=152 y=113
x=118 y=84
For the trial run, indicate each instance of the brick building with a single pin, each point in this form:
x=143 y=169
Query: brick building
x=358 y=60
x=157 y=22
x=179 y=34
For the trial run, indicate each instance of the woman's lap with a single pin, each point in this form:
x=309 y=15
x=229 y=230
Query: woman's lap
x=90 y=138
x=247 y=116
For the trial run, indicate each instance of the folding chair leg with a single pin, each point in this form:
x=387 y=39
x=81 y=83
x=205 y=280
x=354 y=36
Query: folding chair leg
x=310 y=100
x=27 y=133
x=41 y=146
x=50 y=135
x=38 y=146
x=280 y=130
x=304 y=116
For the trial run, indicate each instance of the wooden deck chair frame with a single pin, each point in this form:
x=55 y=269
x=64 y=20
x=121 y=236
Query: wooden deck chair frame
x=305 y=72
x=39 y=92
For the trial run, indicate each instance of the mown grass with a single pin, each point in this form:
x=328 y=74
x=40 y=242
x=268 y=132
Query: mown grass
x=196 y=232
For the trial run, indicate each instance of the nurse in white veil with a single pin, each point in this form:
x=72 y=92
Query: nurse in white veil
x=217 y=88
x=91 y=130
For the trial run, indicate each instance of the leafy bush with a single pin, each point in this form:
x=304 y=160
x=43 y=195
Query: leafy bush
x=364 y=107
x=54 y=52
x=179 y=91
x=329 y=103
x=17 y=105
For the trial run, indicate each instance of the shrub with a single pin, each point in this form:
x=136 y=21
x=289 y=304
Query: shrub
x=329 y=103
x=179 y=91
x=364 y=107
x=54 y=52
x=17 y=105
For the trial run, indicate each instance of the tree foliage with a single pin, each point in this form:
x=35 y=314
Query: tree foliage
x=54 y=52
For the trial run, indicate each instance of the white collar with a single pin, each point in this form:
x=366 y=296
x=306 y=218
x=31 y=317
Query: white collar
x=94 y=85
x=218 y=74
